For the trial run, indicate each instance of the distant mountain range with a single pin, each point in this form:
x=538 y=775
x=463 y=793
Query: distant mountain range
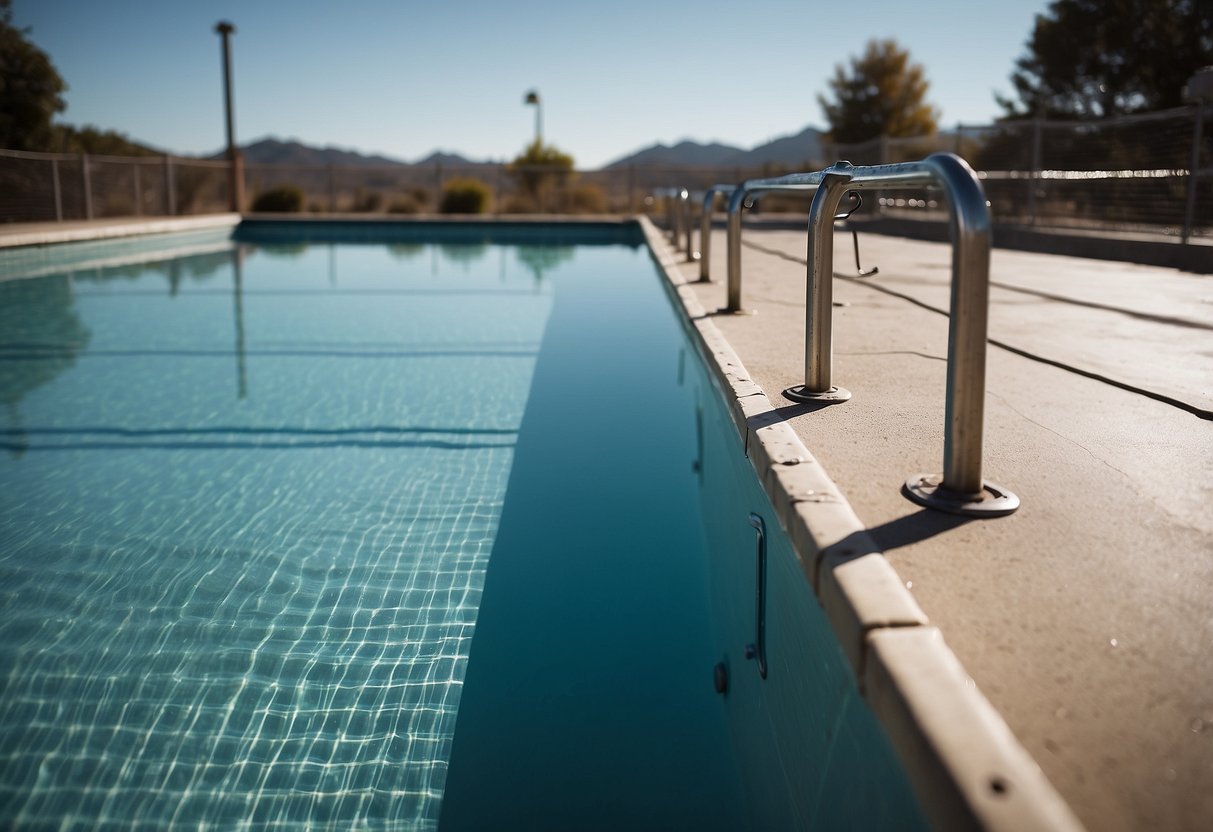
x=271 y=151
x=789 y=151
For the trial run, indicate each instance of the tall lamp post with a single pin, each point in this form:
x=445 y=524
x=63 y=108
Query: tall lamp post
x=532 y=97
x=235 y=190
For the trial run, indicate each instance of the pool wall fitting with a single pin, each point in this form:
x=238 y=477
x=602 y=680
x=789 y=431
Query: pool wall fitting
x=967 y=769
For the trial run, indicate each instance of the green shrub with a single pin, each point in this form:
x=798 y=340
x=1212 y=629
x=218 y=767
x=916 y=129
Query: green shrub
x=285 y=199
x=464 y=196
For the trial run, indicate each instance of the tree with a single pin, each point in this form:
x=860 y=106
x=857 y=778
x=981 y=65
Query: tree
x=1103 y=58
x=539 y=165
x=30 y=88
x=881 y=94
x=90 y=139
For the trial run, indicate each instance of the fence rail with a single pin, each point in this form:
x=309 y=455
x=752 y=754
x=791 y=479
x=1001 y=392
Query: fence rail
x=1152 y=172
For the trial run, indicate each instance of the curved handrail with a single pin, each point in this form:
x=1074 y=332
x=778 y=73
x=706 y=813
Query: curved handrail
x=792 y=183
x=668 y=197
x=685 y=200
x=960 y=489
x=705 y=228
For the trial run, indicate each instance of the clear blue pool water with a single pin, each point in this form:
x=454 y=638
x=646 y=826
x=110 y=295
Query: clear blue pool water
x=249 y=495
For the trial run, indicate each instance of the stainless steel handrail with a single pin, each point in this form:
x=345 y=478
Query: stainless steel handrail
x=687 y=226
x=960 y=489
x=668 y=197
x=705 y=228
x=741 y=198
x=677 y=197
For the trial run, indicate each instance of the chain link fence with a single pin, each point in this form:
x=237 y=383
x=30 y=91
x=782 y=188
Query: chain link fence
x=53 y=187
x=1151 y=173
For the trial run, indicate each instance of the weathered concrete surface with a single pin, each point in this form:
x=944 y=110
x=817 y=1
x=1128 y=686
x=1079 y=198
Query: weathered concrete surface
x=1085 y=617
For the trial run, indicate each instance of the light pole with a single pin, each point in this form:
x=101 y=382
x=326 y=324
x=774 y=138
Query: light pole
x=532 y=97
x=235 y=189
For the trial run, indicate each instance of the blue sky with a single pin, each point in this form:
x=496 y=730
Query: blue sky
x=406 y=77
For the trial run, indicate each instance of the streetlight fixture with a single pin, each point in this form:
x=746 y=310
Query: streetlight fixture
x=235 y=164
x=532 y=97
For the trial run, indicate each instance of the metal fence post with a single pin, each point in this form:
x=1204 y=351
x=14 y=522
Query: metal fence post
x=960 y=131
x=1034 y=175
x=500 y=195
x=138 y=190
x=170 y=187
x=88 y=187
x=58 y=190
x=1193 y=170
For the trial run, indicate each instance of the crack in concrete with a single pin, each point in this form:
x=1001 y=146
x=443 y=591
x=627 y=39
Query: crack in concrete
x=1130 y=480
x=1144 y=316
x=1197 y=411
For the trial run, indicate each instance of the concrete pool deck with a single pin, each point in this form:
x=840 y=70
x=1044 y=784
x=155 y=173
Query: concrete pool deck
x=1084 y=617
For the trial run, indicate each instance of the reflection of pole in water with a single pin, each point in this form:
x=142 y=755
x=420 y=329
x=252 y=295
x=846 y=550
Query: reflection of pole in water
x=19 y=441
x=332 y=264
x=503 y=264
x=238 y=294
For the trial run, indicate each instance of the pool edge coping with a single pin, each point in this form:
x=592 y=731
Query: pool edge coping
x=103 y=230
x=965 y=765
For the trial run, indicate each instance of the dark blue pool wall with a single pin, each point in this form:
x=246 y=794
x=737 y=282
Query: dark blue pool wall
x=810 y=752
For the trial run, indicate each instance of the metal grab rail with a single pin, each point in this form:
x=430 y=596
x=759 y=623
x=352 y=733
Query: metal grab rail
x=705 y=228
x=686 y=198
x=740 y=198
x=758 y=649
x=672 y=197
x=960 y=489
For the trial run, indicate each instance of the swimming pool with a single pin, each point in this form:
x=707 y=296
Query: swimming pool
x=373 y=526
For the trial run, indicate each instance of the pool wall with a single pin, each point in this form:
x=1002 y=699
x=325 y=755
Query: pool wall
x=810 y=753
x=965 y=767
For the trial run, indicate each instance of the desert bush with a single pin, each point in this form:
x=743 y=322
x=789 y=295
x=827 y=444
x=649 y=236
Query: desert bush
x=464 y=196
x=285 y=199
x=413 y=201
x=404 y=205
x=583 y=199
x=367 y=202
x=519 y=203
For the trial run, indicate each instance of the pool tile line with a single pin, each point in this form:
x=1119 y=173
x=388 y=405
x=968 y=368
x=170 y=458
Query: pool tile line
x=966 y=767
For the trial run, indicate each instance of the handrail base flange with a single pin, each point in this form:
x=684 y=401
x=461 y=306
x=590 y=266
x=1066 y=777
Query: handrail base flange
x=928 y=490
x=834 y=395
